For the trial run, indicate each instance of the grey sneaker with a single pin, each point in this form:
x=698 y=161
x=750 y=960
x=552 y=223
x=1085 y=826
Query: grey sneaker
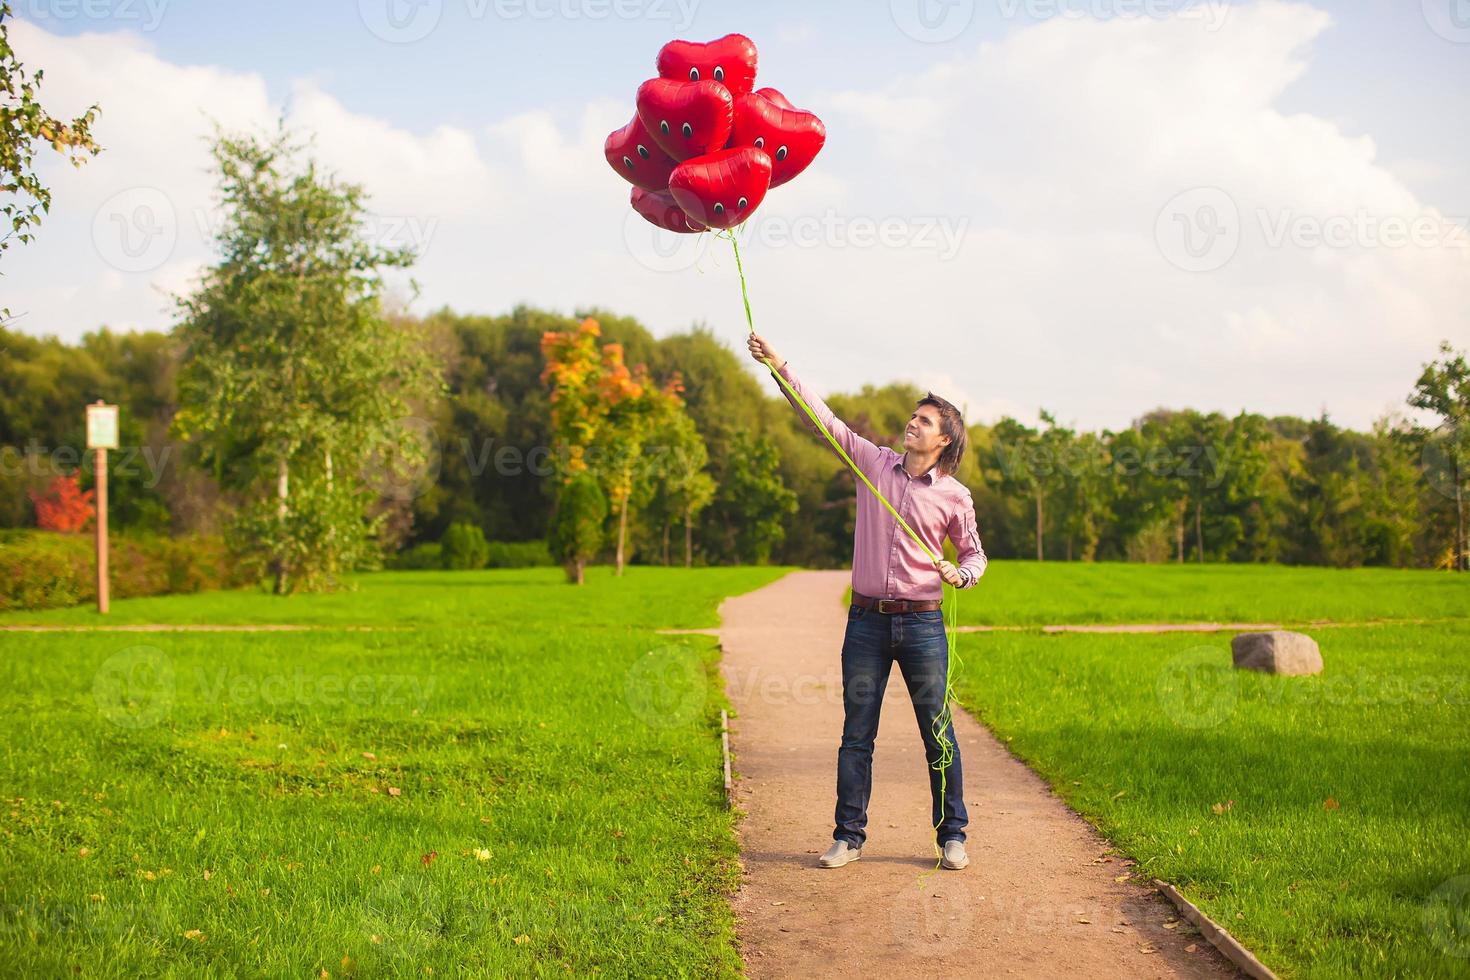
x=955 y=857
x=839 y=854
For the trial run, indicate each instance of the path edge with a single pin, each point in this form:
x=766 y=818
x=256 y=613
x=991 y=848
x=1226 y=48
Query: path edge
x=1217 y=934
x=725 y=752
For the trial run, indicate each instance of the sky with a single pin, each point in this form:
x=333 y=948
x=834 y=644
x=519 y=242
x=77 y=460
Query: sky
x=1093 y=207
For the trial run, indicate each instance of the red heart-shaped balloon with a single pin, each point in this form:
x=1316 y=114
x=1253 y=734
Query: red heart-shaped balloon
x=776 y=97
x=686 y=119
x=792 y=137
x=730 y=61
x=635 y=155
x=721 y=189
x=660 y=209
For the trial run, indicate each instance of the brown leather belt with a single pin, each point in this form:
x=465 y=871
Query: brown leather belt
x=895 y=605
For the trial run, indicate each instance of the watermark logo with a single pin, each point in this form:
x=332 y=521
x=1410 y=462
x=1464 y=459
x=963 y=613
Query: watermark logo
x=1199 y=230
x=135 y=687
x=136 y=229
x=665 y=251
x=144 y=16
x=408 y=916
x=659 y=250
x=1198 y=688
x=1445 y=459
x=1211 y=13
x=935 y=919
x=407 y=476
x=932 y=21
x=400 y=21
x=1450 y=19
x=1447 y=916
x=667 y=687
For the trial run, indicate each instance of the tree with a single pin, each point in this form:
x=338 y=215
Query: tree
x=1086 y=494
x=1025 y=468
x=23 y=124
x=1444 y=389
x=576 y=527
x=633 y=406
x=603 y=412
x=751 y=504
x=464 y=547
x=292 y=382
x=688 y=486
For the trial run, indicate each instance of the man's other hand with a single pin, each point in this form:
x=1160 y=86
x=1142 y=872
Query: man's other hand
x=950 y=574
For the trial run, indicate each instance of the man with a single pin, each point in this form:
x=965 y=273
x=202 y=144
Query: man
x=895 y=613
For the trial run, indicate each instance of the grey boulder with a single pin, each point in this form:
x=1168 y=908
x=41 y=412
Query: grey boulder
x=1277 y=652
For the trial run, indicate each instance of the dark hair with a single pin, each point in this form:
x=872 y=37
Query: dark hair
x=952 y=424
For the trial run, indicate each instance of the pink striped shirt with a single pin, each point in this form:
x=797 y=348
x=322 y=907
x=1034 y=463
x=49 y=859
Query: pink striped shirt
x=886 y=563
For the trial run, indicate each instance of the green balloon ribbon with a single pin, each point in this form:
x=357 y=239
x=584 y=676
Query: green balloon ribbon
x=945 y=718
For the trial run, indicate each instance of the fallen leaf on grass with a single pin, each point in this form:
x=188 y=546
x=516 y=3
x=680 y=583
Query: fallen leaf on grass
x=429 y=858
x=369 y=756
x=394 y=791
x=83 y=852
x=522 y=939
x=1220 y=808
x=194 y=934
x=1329 y=804
x=482 y=854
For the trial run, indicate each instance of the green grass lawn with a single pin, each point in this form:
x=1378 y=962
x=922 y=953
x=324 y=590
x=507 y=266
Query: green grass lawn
x=526 y=781
x=1324 y=820
x=493 y=773
x=1038 y=593
x=645 y=597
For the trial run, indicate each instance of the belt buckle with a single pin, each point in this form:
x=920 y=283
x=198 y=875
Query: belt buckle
x=882 y=604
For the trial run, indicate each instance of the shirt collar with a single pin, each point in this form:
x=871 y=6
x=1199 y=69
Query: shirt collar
x=931 y=474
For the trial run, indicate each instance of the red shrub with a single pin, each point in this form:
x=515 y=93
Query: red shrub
x=64 y=506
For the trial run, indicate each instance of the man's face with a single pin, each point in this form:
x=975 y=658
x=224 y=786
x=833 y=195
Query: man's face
x=923 y=433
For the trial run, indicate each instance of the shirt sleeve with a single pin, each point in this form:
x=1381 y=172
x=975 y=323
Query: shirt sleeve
x=864 y=453
x=966 y=538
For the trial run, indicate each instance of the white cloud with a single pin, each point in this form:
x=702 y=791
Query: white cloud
x=1050 y=154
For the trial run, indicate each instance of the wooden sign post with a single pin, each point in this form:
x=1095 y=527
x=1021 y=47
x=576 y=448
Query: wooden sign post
x=101 y=436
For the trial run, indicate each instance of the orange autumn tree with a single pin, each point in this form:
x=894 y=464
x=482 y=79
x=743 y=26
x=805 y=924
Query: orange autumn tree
x=65 y=506
x=637 y=408
x=602 y=414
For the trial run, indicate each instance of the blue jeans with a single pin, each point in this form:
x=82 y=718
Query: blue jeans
x=872 y=643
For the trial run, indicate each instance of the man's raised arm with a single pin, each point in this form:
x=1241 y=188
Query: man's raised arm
x=864 y=453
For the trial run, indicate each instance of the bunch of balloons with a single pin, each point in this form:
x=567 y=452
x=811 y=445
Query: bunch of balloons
x=705 y=145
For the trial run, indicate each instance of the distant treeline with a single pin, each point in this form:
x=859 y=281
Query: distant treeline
x=1177 y=485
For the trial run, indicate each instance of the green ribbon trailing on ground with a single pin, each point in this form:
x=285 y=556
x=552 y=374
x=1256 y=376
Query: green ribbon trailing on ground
x=945 y=717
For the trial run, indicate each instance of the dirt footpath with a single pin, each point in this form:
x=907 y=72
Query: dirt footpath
x=1039 y=898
